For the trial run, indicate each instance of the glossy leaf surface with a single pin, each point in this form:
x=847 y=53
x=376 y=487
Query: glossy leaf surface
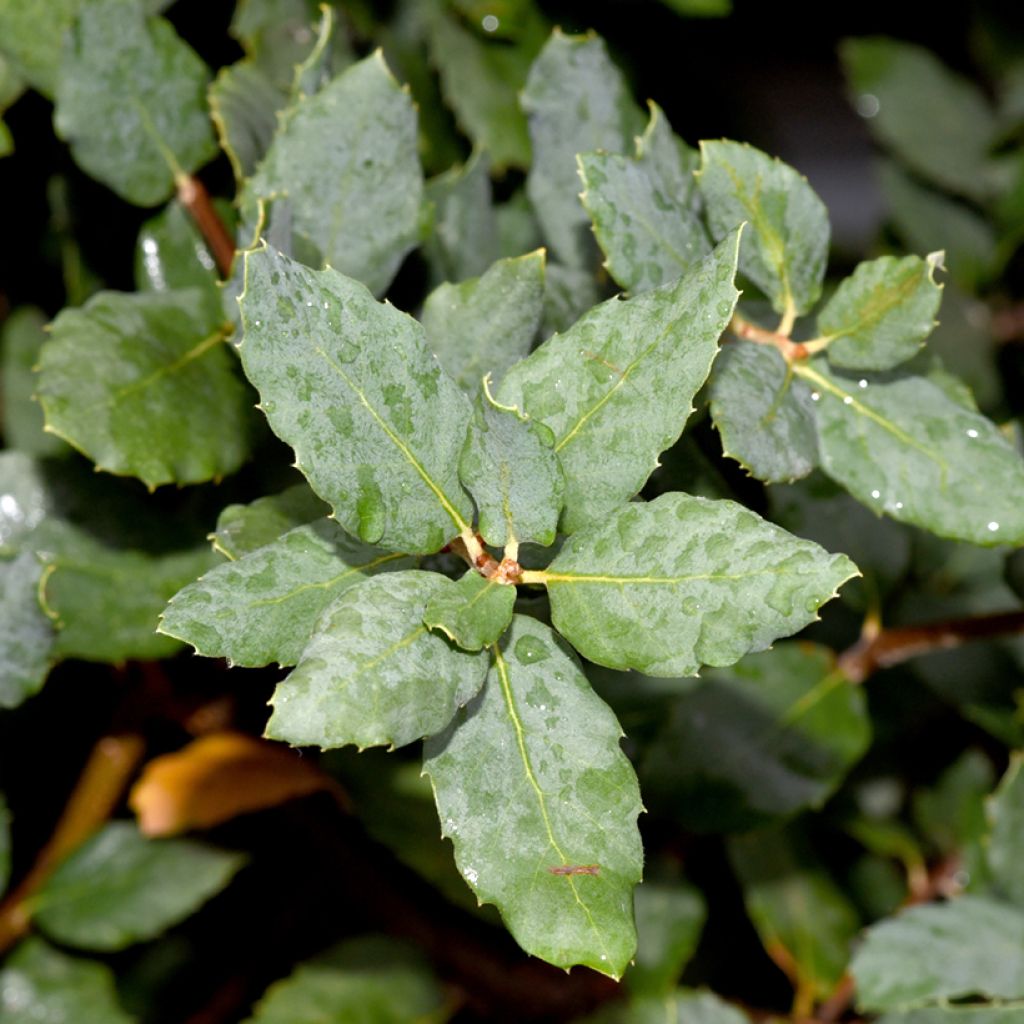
x=473 y=612
x=26 y=634
x=244 y=528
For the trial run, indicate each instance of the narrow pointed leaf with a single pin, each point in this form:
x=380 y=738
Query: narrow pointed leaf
x=1006 y=841
x=785 y=246
x=245 y=528
x=487 y=324
x=562 y=867
x=262 y=608
x=644 y=208
x=131 y=101
x=616 y=388
x=119 y=887
x=364 y=216
x=473 y=612
x=510 y=467
x=680 y=582
x=244 y=103
x=144 y=385
x=763 y=413
x=881 y=314
x=26 y=634
x=577 y=101
x=372 y=673
x=901 y=446
x=350 y=384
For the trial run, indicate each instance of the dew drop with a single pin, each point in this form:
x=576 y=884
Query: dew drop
x=811 y=605
x=862 y=383
x=993 y=526
x=868 y=105
x=471 y=875
x=690 y=606
x=972 y=432
x=815 y=397
x=847 y=400
x=899 y=505
x=529 y=650
x=876 y=494
x=256 y=322
x=490 y=23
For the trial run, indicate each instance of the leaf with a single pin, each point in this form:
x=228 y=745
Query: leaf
x=33 y=44
x=785 y=247
x=119 y=888
x=216 y=778
x=561 y=869
x=26 y=634
x=644 y=209
x=509 y=465
x=938 y=952
x=683 y=1006
x=952 y=812
x=1006 y=841
x=937 y=122
x=245 y=528
x=372 y=673
x=473 y=612
x=981 y=1014
x=763 y=413
x=276 y=34
x=568 y=293
x=170 y=253
x=669 y=922
x=364 y=216
x=771 y=736
x=901 y=446
x=881 y=314
x=669 y=585
x=805 y=922
x=576 y=101
x=375 y=422
x=518 y=230
x=116 y=375
x=700 y=8
x=23 y=337
x=367 y=979
x=330 y=55
x=131 y=101
x=616 y=388
x=486 y=324
x=39 y=985
x=24 y=500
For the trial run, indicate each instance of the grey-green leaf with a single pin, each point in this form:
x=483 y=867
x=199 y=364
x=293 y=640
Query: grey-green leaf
x=170 y=253
x=26 y=634
x=473 y=612
x=683 y=1006
x=576 y=101
x=131 y=101
x=144 y=385
x=763 y=413
x=487 y=324
x=669 y=921
x=262 y=608
x=939 y=952
x=25 y=500
x=562 y=867
x=372 y=673
x=680 y=582
x=32 y=43
x=510 y=467
x=349 y=383
x=785 y=247
x=644 y=208
x=120 y=887
x=364 y=216
x=616 y=388
x=39 y=985
x=881 y=314
x=902 y=446
x=1006 y=841
x=245 y=528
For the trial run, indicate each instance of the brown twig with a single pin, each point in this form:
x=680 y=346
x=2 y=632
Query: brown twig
x=743 y=328
x=193 y=196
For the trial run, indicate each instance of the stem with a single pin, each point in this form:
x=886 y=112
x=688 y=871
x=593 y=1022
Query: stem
x=97 y=792
x=193 y=196
x=744 y=328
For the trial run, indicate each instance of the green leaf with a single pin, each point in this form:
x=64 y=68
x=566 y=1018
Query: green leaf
x=119 y=888
x=576 y=100
x=131 y=101
x=771 y=736
x=170 y=253
x=952 y=812
x=32 y=43
x=349 y=383
x=700 y=8
x=983 y=1014
x=510 y=467
x=276 y=34
x=901 y=446
x=486 y=324
x=39 y=985
x=364 y=216
x=938 y=952
x=262 y=608
x=616 y=389
x=669 y=921
x=802 y=916
x=881 y=314
x=679 y=582
x=330 y=55
x=680 y=1007
x=568 y=293
x=24 y=500
x=1006 y=841
x=369 y=979
x=763 y=413
x=372 y=673
x=644 y=209
x=245 y=528
x=473 y=612
x=518 y=230
x=117 y=374
x=26 y=634
x=561 y=869
x=937 y=122
x=785 y=247
x=22 y=340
